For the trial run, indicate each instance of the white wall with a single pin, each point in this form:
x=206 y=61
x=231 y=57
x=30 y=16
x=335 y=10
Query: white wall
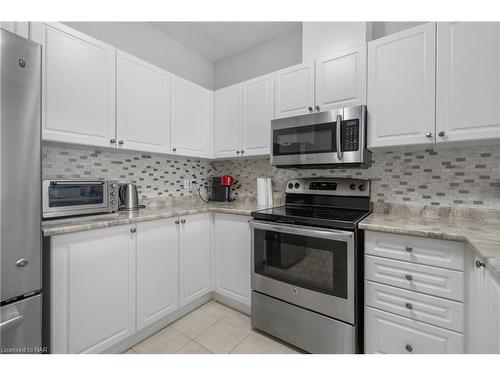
x=276 y=53
x=323 y=38
x=149 y=44
x=380 y=29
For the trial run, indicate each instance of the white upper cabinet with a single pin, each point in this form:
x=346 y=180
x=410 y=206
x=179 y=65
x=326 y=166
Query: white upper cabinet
x=341 y=79
x=257 y=111
x=157 y=270
x=19 y=28
x=227 y=121
x=468 y=81
x=191 y=118
x=78 y=81
x=294 y=90
x=401 y=87
x=194 y=258
x=142 y=105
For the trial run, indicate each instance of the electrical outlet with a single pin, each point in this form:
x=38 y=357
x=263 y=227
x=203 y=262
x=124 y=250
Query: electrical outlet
x=187 y=184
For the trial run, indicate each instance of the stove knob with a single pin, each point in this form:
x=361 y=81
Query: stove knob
x=297 y=185
x=352 y=186
x=290 y=185
x=362 y=187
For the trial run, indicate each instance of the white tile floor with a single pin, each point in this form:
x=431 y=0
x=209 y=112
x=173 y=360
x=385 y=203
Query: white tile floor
x=212 y=328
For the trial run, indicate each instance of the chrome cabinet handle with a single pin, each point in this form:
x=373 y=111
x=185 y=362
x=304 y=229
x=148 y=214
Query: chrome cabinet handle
x=112 y=141
x=442 y=133
x=409 y=348
x=133 y=230
x=23 y=262
x=317 y=108
x=183 y=221
x=428 y=134
x=11 y=323
x=339 y=124
x=409 y=306
x=409 y=249
x=242 y=151
x=409 y=277
x=120 y=142
x=238 y=152
x=174 y=149
x=480 y=264
x=177 y=222
x=310 y=108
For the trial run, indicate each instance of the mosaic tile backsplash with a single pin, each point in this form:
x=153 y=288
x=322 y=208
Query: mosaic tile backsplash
x=468 y=176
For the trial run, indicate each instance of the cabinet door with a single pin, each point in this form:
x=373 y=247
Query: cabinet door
x=482 y=308
x=232 y=257
x=92 y=289
x=227 y=118
x=19 y=28
x=341 y=79
x=468 y=81
x=401 y=87
x=191 y=113
x=294 y=91
x=194 y=258
x=78 y=83
x=257 y=108
x=387 y=333
x=142 y=105
x=157 y=270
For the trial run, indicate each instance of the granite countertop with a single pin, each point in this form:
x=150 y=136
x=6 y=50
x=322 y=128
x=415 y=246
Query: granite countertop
x=480 y=230
x=153 y=211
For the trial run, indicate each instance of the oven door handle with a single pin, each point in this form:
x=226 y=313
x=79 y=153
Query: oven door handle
x=329 y=234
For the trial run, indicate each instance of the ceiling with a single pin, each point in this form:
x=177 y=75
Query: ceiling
x=218 y=40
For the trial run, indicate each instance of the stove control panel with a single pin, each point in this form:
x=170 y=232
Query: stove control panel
x=328 y=186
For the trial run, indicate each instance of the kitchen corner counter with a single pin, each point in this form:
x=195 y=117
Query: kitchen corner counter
x=151 y=212
x=483 y=236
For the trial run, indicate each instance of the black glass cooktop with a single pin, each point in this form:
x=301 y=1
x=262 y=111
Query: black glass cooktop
x=327 y=217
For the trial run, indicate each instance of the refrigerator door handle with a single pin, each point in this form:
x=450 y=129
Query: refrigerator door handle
x=11 y=323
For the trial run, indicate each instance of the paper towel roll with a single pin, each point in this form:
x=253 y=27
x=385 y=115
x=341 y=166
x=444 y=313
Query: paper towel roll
x=264 y=192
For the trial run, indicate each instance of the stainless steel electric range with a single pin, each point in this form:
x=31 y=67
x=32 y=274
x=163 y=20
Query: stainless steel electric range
x=307 y=269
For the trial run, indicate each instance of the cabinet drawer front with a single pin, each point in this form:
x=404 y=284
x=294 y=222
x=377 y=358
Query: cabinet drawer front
x=438 y=253
x=422 y=307
x=392 y=334
x=431 y=280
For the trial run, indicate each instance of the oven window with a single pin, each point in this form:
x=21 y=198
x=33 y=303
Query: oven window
x=313 y=263
x=68 y=195
x=310 y=139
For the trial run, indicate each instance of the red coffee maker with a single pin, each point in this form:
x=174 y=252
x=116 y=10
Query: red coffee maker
x=221 y=188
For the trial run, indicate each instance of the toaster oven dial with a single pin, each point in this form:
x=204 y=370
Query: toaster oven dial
x=113 y=185
x=113 y=202
x=113 y=193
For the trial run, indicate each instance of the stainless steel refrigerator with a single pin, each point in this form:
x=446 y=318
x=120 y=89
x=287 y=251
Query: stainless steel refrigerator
x=20 y=190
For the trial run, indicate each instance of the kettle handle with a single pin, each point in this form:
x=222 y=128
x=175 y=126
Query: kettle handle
x=121 y=194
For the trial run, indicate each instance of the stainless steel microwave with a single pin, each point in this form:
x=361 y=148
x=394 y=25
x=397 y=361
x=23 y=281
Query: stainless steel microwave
x=331 y=139
x=78 y=197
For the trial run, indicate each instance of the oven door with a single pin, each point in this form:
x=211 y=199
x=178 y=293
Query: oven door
x=309 y=267
x=67 y=198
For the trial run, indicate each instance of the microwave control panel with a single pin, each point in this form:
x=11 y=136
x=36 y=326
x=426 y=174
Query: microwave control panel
x=350 y=135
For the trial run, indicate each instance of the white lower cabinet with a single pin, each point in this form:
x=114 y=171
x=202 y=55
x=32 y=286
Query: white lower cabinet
x=232 y=257
x=194 y=257
x=393 y=334
x=157 y=270
x=92 y=289
x=19 y=28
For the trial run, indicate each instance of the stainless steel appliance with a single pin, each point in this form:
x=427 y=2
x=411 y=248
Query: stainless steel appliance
x=331 y=139
x=307 y=269
x=20 y=172
x=129 y=198
x=79 y=197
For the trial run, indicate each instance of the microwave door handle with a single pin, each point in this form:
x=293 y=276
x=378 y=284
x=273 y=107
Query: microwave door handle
x=339 y=124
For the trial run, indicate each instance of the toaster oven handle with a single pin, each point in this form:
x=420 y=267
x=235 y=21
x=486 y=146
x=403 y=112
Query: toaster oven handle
x=338 y=128
x=76 y=182
x=329 y=234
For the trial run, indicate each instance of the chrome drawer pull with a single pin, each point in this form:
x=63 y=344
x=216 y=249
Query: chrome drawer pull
x=409 y=249
x=409 y=348
x=409 y=306
x=409 y=277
